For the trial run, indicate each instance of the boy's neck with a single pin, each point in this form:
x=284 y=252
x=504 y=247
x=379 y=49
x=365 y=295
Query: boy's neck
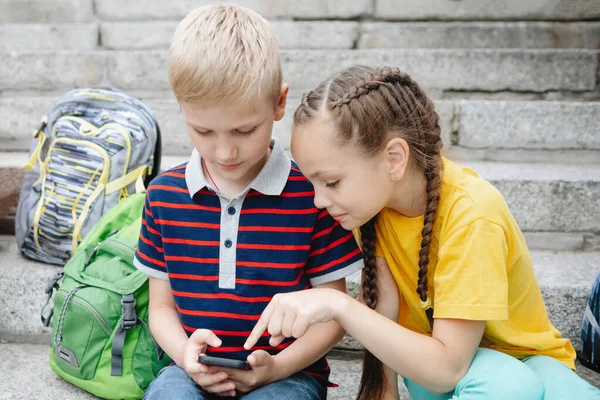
x=232 y=188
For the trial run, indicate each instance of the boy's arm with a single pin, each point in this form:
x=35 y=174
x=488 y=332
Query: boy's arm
x=317 y=341
x=164 y=320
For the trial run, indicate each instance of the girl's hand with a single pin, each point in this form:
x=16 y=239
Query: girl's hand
x=262 y=373
x=388 y=303
x=216 y=383
x=291 y=314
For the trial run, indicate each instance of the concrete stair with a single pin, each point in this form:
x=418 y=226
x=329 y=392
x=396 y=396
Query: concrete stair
x=488 y=70
x=555 y=205
x=26 y=375
x=564 y=277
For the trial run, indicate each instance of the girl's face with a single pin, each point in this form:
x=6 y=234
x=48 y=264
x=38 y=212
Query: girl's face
x=351 y=186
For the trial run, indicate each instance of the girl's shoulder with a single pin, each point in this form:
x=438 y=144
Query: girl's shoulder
x=467 y=197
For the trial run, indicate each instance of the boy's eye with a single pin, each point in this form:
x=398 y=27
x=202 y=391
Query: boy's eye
x=241 y=132
x=331 y=185
x=202 y=133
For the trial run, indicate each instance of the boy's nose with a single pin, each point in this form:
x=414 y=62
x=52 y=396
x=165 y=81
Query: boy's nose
x=226 y=153
x=322 y=201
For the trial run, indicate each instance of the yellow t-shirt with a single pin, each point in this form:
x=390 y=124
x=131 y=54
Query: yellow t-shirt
x=479 y=269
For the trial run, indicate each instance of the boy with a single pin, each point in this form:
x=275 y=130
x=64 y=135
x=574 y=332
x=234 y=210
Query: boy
x=227 y=231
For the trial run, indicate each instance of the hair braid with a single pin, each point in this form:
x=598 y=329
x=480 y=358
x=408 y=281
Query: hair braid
x=370 y=81
x=372 y=379
x=433 y=188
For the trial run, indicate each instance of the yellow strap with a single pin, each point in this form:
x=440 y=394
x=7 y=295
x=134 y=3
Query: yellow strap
x=80 y=195
x=139 y=184
x=126 y=180
x=35 y=156
x=83 y=216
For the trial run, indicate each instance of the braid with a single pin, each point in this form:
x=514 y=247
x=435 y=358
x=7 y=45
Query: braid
x=434 y=183
x=304 y=111
x=371 y=81
x=369 y=284
x=372 y=380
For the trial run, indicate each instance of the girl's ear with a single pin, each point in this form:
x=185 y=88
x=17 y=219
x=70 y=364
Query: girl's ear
x=281 y=102
x=397 y=152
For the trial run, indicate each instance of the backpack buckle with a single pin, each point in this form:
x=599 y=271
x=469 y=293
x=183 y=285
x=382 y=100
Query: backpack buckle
x=53 y=282
x=128 y=314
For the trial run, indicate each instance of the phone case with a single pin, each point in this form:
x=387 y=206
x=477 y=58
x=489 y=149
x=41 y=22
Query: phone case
x=223 y=362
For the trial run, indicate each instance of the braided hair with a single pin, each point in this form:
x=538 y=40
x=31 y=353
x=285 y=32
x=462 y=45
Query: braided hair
x=367 y=105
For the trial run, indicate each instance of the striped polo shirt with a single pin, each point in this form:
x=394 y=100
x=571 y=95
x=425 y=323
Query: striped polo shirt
x=226 y=258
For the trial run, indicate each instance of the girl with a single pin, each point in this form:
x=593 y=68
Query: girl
x=458 y=311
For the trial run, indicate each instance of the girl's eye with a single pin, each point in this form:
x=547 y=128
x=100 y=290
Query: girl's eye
x=239 y=132
x=331 y=185
x=202 y=133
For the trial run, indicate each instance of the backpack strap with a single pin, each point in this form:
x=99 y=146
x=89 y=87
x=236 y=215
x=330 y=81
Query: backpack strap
x=51 y=286
x=129 y=321
x=35 y=155
x=589 y=314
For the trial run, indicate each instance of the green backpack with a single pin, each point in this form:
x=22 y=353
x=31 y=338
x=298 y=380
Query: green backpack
x=100 y=337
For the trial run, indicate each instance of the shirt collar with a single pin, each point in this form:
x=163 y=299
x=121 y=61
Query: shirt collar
x=270 y=181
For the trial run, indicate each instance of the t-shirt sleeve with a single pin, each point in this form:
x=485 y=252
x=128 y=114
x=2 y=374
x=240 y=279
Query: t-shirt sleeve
x=471 y=277
x=149 y=255
x=334 y=253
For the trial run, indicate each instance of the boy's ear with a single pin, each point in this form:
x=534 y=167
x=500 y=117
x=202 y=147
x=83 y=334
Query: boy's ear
x=397 y=152
x=281 y=102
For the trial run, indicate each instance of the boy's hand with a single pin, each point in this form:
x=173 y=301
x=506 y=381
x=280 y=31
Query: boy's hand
x=262 y=372
x=216 y=383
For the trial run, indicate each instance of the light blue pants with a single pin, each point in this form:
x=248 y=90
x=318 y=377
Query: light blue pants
x=495 y=375
x=172 y=383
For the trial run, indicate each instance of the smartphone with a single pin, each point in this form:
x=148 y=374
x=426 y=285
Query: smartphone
x=223 y=362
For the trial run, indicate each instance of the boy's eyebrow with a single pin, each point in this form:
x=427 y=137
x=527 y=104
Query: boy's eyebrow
x=315 y=174
x=232 y=129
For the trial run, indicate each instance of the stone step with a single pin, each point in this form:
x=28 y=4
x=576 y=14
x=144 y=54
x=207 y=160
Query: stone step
x=487 y=10
x=477 y=34
x=565 y=280
x=546 y=199
x=20 y=117
x=84 y=10
x=487 y=70
x=366 y=35
x=27 y=375
x=144 y=35
x=475 y=129
x=30 y=11
x=56 y=36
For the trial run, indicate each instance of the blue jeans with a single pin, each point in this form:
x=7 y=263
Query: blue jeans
x=172 y=383
x=495 y=375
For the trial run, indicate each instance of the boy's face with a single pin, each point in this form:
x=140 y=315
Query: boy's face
x=233 y=138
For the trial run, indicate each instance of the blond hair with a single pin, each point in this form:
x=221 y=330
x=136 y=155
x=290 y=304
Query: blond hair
x=224 y=53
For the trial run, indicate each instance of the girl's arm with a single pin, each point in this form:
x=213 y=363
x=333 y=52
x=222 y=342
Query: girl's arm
x=437 y=363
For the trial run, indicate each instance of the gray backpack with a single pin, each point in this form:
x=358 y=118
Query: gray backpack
x=96 y=146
